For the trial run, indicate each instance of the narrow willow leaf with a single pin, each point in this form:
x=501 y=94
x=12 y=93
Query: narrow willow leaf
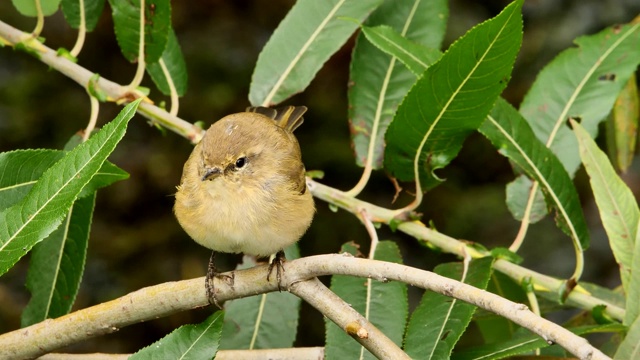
x=188 y=342
x=28 y=7
x=511 y=134
x=377 y=81
x=416 y=57
x=45 y=206
x=616 y=203
x=92 y=10
x=20 y=169
x=386 y=305
x=388 y=302
x=630 y=347
x=438 y=322
x=310 y=33
x=517 y=195
x=597 y=68
x=495 y=328
x=157 y=22
x=262 y=322
x=176 y=67
x=622 y=125
x=57 y=264
x=632 y=310
x=524 y=344
x=452 y=98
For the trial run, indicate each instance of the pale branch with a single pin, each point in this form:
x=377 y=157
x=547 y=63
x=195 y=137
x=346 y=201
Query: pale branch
x=546 y=286
x=348 y=319
x=164 y=299
x=158 y=301
x=112 y=90
x=276 y=354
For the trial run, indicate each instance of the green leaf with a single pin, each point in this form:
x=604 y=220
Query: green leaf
x=28 y=7
x=438 y=322
x=92 y=10
x=416 y=57
x=632 y=310
x=175 y=65
x=386 y=305
x=630 y=347
x=616 y=203
x=157 y=22
x=495 y=328
x=57 y=264
x=511 y=134
x=45 y=206
x=524 y=343
x=597 y=68
x=310 y=33
x=20 y=169
x=262 y=322
x=452 y=98
x=506 y=254
x=378 y=83
x=517 y=194
x=188 y=342
x=622 y=125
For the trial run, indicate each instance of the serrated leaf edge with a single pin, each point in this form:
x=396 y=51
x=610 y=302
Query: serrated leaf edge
x=298 y=56
x=416 y=159
x=574 y=234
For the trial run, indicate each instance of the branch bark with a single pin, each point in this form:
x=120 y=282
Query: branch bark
x=164 y=299
x=275 y=354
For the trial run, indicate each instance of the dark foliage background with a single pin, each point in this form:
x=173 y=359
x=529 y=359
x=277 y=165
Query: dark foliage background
x=135 y=240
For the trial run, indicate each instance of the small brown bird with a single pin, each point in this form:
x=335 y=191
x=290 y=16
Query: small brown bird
x=243 y=189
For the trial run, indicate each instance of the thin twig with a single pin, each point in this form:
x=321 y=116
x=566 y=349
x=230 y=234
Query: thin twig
x=115 y=92
x=546 y=285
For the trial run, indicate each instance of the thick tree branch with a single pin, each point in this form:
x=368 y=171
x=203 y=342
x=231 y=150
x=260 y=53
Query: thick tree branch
x=162 y=300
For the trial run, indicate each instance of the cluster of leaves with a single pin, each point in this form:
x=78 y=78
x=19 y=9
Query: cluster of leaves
x=411 y=108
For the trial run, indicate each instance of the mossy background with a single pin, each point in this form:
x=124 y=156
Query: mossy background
x=135 y=240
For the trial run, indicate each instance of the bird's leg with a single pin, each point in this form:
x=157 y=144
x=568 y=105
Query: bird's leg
x=278 y=262
x=212 y=272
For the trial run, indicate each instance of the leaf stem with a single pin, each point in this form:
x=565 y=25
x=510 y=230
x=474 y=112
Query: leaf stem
x=82 y=31
x=40 y=19
x=175 y=102
x=93 y=117
x=137 y=79
x=524 y=224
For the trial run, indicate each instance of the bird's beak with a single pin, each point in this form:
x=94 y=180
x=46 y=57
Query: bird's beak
x=211 y=173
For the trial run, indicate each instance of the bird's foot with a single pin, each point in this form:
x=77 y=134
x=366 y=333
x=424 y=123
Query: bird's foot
x=278 y=263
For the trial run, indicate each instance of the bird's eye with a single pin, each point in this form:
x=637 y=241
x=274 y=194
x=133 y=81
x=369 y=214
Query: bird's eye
x=241 y=162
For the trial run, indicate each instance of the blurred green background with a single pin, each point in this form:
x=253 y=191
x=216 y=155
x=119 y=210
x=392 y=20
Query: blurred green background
x=135 y=240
